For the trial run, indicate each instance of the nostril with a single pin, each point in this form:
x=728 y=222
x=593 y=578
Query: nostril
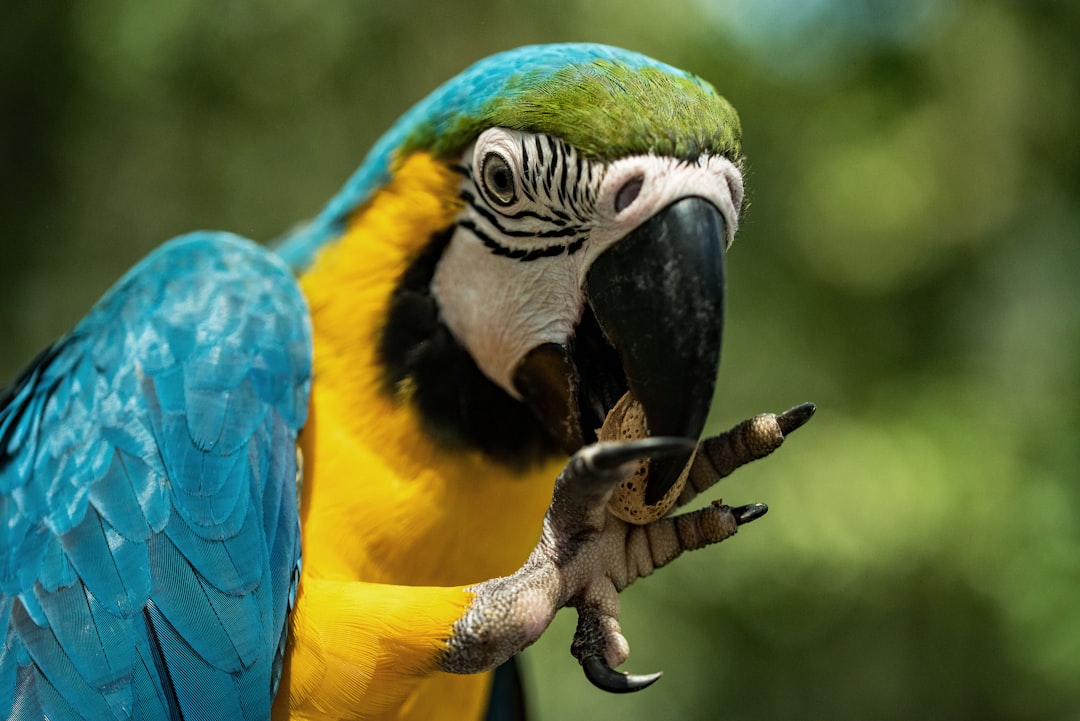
x=628 y=193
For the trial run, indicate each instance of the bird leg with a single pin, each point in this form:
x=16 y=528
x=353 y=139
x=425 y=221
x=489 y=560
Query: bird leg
x=584 y=558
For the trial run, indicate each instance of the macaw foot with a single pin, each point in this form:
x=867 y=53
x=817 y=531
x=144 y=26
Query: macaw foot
x=586 y=555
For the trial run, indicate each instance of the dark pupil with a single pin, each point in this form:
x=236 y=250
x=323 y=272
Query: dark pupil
x=500 y=181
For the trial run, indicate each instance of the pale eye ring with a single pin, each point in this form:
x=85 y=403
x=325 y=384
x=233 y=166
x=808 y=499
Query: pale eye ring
x=498 y=178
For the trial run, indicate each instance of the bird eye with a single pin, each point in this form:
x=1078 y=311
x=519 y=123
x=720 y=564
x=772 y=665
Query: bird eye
x=498 y=179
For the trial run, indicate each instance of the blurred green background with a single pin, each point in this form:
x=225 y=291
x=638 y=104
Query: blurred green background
x=908 y=262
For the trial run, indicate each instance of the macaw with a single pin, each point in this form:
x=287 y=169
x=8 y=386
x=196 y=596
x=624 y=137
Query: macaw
x=330 y=479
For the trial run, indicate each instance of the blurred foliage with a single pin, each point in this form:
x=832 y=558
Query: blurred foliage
x=908 y=262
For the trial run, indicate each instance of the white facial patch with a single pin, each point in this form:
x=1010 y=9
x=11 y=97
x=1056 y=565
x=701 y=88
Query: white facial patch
x=537 y=215
x=663 y=182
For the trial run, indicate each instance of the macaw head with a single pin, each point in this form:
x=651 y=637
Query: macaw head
x=594 y=193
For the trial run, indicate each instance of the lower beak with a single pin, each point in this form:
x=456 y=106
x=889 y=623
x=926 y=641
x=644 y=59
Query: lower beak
x=658 y=296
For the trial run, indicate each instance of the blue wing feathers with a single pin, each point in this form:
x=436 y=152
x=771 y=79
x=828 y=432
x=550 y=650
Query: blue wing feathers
x=109 y=566
x=212 y=623
x=227 y=566
x=33 y=541
x=8 y=664
x=116 y=499
x=150 y=537
x=151 y=701
x=57 y=669
x=281 y=538
x=53 y=705
x=56 y=570
x=207 y=692
x=99 y=653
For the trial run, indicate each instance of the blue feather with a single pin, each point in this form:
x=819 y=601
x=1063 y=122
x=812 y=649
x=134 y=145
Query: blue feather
x=30 y=606
x=245 y=414
x=110 y=566
x=65 y=688
x=9 y=664
x=223 y=630
x=32 y=540
x=95 y=637
x=26 y=707
x=56 y=570
x=149 y=546
x=215 y=516
x=151 y=701
x=115 y=498
x=225 y=563
x=208 y=692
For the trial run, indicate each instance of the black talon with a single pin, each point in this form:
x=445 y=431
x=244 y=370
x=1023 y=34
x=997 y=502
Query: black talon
x=608 y=679
x=608 y=457
x=793 y=418
x=745 y=514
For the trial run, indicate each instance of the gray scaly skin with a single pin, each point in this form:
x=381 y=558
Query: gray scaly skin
x=586 y=555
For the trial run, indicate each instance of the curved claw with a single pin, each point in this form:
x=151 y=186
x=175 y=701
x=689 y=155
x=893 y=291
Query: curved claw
x=793 y=418
x=609 y=456
x=608 y=679
x=752 y=512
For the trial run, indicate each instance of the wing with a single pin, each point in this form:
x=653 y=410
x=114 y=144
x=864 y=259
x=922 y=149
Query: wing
x=149 y=536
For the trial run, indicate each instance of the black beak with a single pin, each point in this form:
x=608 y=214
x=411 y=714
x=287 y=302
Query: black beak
x=658 y=296
x=653 y=326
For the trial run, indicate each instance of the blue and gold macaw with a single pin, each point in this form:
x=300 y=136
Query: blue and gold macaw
x=331 y=481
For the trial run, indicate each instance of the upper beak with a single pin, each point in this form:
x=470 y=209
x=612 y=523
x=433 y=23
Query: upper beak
x=658 y=296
